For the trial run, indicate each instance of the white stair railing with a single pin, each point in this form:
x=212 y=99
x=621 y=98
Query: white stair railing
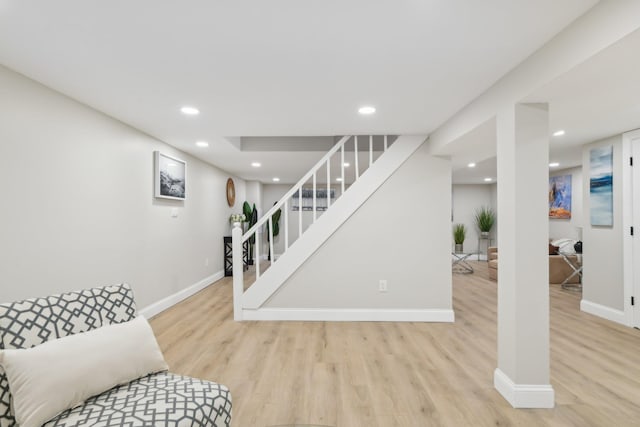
x=296 y=192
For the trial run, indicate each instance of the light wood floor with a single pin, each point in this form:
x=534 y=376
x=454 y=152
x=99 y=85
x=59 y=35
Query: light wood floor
x=401 y=374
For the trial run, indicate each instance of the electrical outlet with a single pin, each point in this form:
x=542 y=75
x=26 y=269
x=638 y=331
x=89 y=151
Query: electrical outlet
x=206 y=261
x=382 y=286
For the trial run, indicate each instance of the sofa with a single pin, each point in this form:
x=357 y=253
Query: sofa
x=158 y=399
x=492 y=259
x=559 y=270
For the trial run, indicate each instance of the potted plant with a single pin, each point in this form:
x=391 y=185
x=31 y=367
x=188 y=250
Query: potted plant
x=485 y=218
x=459 y=234
x=251 y=215
x=236 y=219
x=275 y=220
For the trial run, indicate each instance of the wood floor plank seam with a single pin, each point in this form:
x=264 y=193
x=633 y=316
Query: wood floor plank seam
x=405 y=374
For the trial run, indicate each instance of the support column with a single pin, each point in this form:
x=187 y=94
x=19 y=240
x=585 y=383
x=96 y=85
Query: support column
x=522 y=375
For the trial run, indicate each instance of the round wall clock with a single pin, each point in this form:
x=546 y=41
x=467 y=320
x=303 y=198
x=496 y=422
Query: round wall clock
x=231 y=192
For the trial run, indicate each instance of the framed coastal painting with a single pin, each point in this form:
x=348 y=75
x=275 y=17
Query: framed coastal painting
x=170 y=177
x=560 y=197
x=601 y=185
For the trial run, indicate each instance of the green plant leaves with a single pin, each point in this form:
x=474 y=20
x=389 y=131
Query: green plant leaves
x=485 y=217
x=253 y=221
x=459 y=233
x=275 y=220
x=246 y=210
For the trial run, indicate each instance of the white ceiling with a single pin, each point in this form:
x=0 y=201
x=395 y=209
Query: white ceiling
x=274 y=68
x=597 y=99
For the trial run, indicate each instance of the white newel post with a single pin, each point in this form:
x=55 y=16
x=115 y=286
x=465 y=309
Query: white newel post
x=522 y=375
x=238 y=272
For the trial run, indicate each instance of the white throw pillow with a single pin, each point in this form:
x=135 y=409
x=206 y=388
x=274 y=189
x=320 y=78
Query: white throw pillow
x=60 y=374
x=565 y=246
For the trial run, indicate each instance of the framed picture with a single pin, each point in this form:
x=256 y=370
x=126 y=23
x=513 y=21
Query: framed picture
x=307 y=199
x=560 y=197
x=170 y=177
x=601 y=185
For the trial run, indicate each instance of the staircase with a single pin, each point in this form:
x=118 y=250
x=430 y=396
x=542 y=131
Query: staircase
x=368 y=160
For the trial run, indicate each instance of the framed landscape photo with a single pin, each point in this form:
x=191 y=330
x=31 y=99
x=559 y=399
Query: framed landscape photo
x=170 y=177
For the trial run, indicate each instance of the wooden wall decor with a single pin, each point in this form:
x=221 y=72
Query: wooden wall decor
x=231 y=192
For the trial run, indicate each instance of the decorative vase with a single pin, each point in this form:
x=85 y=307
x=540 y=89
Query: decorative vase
x=484 y=233
x=458 y=248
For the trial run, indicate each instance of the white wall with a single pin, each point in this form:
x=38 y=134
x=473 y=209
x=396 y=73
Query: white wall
x=254 y=195
x=494 y=206
x=467 y=199
x=78 y=207
x=568 y=228
x=271 y=194
x=602 y=282
x=382 y=240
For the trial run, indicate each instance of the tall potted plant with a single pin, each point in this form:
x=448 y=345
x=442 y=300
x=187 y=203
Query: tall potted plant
x=275 y=220
x=459 y=234
x=485 y=218
x=251 y=215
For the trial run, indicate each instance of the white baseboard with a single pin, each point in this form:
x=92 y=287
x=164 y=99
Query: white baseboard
x=603 y=311
x=349 y=315
x=167 y=302
x=524 y=395
x=332 y=219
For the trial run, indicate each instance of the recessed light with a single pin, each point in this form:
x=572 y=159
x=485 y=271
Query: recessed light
x=554 y=164
x=190 y=111
x=346 y=165
x=471 y=165
x=256 y=164
x=276 y=179
x=339 y=179
x=558 y=133
x=202 y=144
x=367 y=110
x=487 y=180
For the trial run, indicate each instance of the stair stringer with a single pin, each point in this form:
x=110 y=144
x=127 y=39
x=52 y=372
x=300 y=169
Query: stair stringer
x=339 y=212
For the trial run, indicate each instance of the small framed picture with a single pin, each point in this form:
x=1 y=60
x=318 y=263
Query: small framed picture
x=170 y=177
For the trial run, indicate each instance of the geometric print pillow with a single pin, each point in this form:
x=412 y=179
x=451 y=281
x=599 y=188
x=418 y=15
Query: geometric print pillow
x=31 y=322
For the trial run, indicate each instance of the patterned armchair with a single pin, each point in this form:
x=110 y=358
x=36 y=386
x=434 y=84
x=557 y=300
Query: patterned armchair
x=160 y=399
